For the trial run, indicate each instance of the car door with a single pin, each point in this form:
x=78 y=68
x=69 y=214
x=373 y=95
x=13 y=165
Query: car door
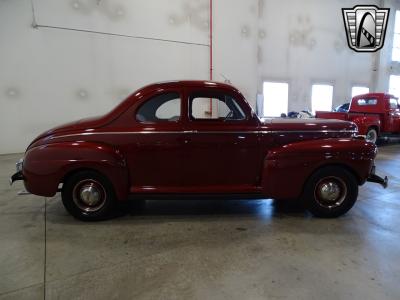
x=221 y=143
x=155 y=149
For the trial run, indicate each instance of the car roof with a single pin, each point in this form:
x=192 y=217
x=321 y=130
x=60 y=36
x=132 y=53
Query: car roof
x=375 y=95
x=189 y=83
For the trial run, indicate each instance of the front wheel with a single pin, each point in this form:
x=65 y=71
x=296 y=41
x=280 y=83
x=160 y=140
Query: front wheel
x=330 y=192
x=88 y=196
x=372 y=135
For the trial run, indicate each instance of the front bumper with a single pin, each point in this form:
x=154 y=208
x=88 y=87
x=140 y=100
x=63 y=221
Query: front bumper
x=17 y=176
x=377 y=179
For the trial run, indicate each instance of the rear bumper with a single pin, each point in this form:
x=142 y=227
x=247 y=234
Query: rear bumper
x=377 y=179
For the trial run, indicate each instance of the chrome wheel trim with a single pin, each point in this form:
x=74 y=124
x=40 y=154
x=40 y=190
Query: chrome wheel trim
x=371 y=136
x=89 y=195
x=330 y=192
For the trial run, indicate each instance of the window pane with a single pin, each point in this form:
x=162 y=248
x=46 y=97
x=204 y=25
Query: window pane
x=201 y=108
x=321 y=97
x=359 y=90
x=169 y=110
x=394 y=85
x=161 y=108
x=224 y=107
x=363 y=102
x=275 y=98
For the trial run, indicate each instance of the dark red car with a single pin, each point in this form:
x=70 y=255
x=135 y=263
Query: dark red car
x=197 y=138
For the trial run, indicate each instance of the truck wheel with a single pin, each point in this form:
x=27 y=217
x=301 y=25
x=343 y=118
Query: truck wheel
x=372 y=135
x=330 y=192
x=88 y=196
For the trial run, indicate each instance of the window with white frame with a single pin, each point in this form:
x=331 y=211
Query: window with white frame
x=396 y=38
x=321 y=97
x=359 y=90
x=276 y=96
x=394 y=85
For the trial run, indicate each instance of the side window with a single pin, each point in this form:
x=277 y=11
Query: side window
x=215 y=107
x=161 y=108
x=393 y=103
x=364 y=102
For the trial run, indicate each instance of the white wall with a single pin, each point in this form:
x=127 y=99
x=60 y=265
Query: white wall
x=49 y=76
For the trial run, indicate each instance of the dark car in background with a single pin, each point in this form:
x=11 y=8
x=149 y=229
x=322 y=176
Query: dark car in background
x=342 y=108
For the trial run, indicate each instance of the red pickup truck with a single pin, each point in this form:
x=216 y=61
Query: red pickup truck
x=375 y=114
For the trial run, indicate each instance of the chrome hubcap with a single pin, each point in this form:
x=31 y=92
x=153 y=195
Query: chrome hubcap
x=89 y=195
x=330 y=192
x=371 y=136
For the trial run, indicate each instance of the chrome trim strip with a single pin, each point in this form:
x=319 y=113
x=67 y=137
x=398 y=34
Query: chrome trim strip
x=205 y=132
x=311 y=131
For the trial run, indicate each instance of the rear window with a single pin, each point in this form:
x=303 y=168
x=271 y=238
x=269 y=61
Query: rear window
x=364 y=102
x=161 y=108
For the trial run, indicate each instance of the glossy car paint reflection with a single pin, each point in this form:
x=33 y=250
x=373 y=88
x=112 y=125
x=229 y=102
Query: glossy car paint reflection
x=269 y=158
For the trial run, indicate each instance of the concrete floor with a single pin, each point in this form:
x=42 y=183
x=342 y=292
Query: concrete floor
x=202 y=249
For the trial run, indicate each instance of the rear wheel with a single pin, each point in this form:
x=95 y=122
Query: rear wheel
x=330 y=192
x=372 y=135
x=88 y=196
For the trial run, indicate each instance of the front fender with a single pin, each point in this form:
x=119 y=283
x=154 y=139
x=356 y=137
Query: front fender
x=47 y=165
x=287 y=168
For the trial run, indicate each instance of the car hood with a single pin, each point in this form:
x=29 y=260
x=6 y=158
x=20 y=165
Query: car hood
x=287 y=124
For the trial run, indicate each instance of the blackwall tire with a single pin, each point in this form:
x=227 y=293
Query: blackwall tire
x=372 y=135
x=330 y=192
x=88 y=196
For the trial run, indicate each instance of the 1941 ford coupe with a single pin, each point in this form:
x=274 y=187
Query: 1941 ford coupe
x=197 y=138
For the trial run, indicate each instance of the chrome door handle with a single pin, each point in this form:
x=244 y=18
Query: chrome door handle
x=190 y=131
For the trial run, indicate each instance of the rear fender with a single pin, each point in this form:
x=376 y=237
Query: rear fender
x=287 y=168
x=46 y=166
